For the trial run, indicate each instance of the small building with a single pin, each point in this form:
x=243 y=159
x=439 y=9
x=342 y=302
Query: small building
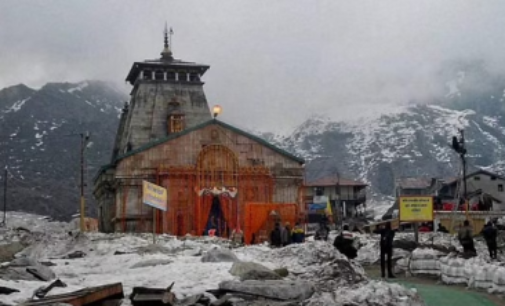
x=344 y=195
x=482 y=186
x=411 y=186
x=216 y=175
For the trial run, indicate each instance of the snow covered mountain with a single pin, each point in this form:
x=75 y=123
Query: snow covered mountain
x=39 y=138
x=413 y=140
x=40 y=142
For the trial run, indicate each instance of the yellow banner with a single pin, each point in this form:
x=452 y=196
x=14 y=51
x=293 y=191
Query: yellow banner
x=154 y=196
x=416 y=209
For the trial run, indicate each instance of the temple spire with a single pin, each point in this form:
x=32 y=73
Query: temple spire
x=166 y=54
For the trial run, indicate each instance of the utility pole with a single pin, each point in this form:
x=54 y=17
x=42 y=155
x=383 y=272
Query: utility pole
x=84 y=143
x=459 y=146
x=5 y=197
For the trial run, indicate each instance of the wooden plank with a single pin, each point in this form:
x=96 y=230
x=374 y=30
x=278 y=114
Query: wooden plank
x=86 y=296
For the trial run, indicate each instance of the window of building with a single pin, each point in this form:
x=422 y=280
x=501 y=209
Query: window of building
x=171 y=76
x=159 y=75
x=477 y=178
x=493 y=178
x=500 y=188
x=175 y=123
x=319 y=191
x=183 y=76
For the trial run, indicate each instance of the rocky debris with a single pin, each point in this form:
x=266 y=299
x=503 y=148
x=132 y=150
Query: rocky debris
x=75 y=255
x=219 y=255
x=283 y=272
x=252 y=271
x=7 y=290
x=277 y=290
x=321 y=263
x=121 y=253
x=47 y=263
x=404 y=244
x=151 y=263
x=373 y=293
x=8 y=250
x=25 y=268
x=142 y=296
x=153 y=249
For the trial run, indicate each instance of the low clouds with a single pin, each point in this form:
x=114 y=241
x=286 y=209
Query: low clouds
x=272 y=62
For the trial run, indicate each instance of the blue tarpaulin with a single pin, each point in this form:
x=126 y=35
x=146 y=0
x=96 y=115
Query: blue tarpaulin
x=318 y=206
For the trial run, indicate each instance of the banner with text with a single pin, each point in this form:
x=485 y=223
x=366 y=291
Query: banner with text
x=416 y=209
x=154 y=196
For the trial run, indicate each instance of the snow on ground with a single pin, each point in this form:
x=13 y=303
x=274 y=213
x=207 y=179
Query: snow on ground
x=317 y=262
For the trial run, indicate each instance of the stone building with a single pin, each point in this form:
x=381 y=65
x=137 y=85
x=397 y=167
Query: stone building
x=216 y=175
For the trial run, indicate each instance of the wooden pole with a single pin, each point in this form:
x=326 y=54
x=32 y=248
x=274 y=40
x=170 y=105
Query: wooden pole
x=154 y=225
x=416 y=232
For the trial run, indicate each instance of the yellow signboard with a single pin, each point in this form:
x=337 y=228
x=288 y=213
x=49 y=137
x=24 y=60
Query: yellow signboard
x=416 y=209
x=154 y=196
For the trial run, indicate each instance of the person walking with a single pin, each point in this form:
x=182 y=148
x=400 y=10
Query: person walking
x=344 y=243
x=298 y=234
x=465 y=238
x=287 y=234
x=323 y=232
x=490 y=235
x=387 y=236
x=276 y=236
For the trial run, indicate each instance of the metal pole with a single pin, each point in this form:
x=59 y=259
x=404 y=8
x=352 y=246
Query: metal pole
x=5 y=196
x=82 y=206
x=154 y=225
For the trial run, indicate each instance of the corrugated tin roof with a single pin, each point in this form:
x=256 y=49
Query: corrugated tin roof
x=334 y=181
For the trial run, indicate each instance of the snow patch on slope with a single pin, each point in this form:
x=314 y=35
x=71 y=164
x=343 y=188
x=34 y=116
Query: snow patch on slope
x=79 y=87
x=16 y=106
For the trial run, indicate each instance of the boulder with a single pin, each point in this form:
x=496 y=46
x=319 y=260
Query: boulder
x=25 y=268
x=151 y=263
x=259 y=275
x=283 y=272
x=74 y=255
x=7 y=290
x=280 y=290
x=252 y=271
x=7 y=251
x=219 y=255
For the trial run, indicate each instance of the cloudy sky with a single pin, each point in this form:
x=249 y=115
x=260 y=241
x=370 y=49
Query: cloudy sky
x=273 y=63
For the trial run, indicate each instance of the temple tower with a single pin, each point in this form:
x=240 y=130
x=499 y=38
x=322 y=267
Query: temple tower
x=167 y=97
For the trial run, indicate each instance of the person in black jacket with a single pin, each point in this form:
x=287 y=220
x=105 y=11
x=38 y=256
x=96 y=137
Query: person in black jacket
x=276 y=236
x=386 y=248
x=490 y=234
x=322 y=232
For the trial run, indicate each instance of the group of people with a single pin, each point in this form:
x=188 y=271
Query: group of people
x=490 y=234
x=284 y=235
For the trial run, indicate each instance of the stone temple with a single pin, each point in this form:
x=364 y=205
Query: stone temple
x=216 y=175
